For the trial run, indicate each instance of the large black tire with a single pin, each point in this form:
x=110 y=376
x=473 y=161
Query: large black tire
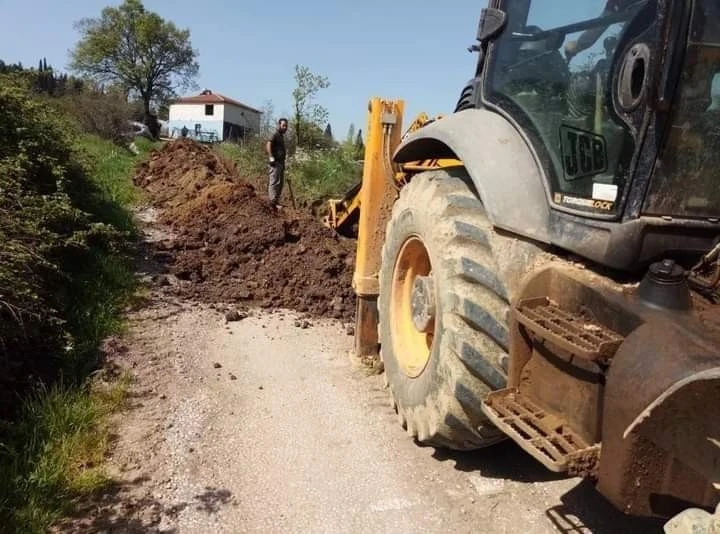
x=468 y=353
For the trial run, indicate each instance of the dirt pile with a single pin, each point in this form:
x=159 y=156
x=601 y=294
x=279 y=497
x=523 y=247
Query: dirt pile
x=233 y=246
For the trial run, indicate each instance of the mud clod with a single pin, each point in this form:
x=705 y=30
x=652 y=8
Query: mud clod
x=235 y=315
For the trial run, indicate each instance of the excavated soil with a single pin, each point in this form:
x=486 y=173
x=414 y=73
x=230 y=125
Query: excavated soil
x=232 y=245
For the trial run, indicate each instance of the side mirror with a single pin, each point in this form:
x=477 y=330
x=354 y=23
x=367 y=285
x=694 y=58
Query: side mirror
x=492 y=21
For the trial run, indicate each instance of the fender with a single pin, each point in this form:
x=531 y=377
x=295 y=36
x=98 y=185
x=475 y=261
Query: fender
x=500 y=163
x=660 y=436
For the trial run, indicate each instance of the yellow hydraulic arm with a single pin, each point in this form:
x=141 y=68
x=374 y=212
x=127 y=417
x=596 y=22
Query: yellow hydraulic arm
x=375 y=196
x=369 y=205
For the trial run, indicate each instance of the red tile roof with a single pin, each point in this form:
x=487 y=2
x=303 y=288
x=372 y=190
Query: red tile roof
x=213 y=98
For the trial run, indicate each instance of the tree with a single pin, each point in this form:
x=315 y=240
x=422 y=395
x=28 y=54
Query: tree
x=328 y=132
x=359 y=146
x=267 y=119
x=350 y=139
x=307 y=112
x=138 y=49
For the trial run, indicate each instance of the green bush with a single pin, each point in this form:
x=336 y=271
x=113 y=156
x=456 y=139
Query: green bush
x=322 y=174
x=63 y=215
x=104 y=115
x=66 y=243
x=249 y=158
x=40 y=228
x=54 y=454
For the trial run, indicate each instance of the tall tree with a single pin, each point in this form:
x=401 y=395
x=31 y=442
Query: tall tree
x=350 y=139
x=328 y=132
x=138 y=49
x=267 y=119
x=359 y=146
x=307 y=112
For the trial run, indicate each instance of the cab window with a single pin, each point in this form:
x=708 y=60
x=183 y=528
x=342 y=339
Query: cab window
x=550 y=71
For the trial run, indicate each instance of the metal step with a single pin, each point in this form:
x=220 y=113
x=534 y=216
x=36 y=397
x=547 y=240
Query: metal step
x=581 y=336
x=541 y=434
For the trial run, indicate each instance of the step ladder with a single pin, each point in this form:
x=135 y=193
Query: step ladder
x=546 y=436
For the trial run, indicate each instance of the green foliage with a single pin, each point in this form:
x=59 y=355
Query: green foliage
x=111 y=168
x=54 y=453
x=136 y=48
x=106 y=115
x=354 y=144
x=324 y=174
x=55 y=222
x=249 y=158
x=313 y=137
x=38 y=224
x=44 y=80
x=96 y=109
x=359 y=146
x=6 y=68
x=65 y=275
x=308 y=114
x=350 y=138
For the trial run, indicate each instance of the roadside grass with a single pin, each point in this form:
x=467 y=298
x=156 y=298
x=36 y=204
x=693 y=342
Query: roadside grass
x=57 y=449
x=52 y=453
x=319 y=175
x=104 y=282
x=250 y=160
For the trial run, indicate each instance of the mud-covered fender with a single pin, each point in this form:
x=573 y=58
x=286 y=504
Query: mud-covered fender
x=499 y=161
x=661 y=426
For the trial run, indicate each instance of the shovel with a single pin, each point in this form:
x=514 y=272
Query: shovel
x=290 y=190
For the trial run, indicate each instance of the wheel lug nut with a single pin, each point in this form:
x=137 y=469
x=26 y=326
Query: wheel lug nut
x=423 y=303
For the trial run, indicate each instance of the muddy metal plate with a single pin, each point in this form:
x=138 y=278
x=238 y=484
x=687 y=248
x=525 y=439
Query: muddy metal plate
x=543 y=435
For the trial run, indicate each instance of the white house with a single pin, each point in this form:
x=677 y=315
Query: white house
x=213 y=117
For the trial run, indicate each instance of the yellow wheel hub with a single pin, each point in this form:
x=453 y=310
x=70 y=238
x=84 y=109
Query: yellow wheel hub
x=412 y=307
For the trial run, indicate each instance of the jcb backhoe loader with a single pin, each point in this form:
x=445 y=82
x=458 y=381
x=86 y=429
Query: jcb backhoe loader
x=555 y=281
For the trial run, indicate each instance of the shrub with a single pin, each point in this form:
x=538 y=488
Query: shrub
x=322 y=174
x=105 y=115
x=65 y=276
x=46 y=236
x=249 y=159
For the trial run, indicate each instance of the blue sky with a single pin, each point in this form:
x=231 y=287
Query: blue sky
x=394 y=49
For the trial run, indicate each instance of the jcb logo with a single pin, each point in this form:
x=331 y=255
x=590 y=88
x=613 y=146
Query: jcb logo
x=583 y=153
x=603 y=205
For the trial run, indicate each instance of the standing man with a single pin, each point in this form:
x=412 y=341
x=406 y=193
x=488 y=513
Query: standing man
x=275 y=148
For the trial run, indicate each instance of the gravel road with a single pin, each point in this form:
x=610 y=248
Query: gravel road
x=267 y=424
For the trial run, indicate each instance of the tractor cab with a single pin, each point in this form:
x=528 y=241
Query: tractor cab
x=620 y=101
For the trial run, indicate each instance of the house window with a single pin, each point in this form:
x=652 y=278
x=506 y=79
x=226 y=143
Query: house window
x=209 y=109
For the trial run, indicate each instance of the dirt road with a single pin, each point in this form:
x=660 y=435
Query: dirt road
x=267 y=425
